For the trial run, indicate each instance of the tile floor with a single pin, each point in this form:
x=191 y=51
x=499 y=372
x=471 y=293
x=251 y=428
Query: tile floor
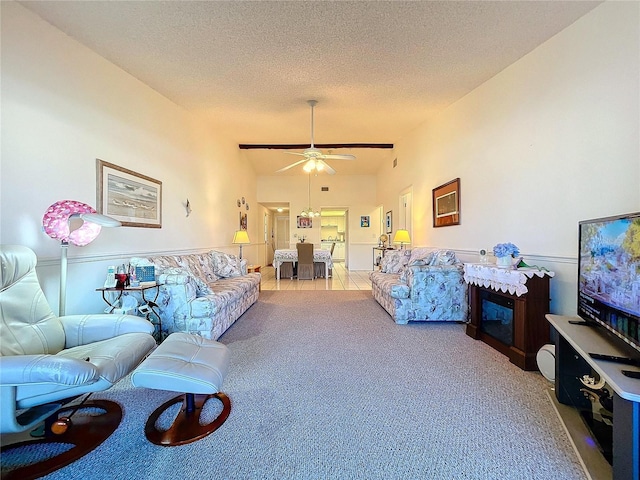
x=342 y=279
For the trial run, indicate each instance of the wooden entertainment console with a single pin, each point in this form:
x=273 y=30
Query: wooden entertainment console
x=530 y=329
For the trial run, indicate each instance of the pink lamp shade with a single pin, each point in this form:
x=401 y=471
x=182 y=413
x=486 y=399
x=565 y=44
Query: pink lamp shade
x=56 y=223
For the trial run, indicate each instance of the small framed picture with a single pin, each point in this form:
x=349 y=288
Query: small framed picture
x=387 y=223
x=364 y=221
x=243 y=221
x=304 y=222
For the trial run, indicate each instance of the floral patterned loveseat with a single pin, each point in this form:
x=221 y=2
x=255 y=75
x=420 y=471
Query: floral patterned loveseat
x=423 y=284
x=202 y=293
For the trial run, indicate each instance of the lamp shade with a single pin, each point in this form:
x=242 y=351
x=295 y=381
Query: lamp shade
x=241 y=237
x=56 y=222
x=402 y=236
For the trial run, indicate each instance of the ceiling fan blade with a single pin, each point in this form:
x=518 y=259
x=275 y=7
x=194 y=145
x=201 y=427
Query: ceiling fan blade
x=339 y=157
x=326 y=167
x=292 y=165
x=296 y=153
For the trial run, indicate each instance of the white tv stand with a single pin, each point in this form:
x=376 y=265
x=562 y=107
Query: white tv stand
x=574 y=343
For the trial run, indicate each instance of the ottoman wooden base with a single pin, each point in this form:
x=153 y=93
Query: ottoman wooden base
x=186 y=427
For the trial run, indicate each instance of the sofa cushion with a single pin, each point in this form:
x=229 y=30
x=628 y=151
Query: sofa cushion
x=390 y=284
x=394 y=261
x=225 y=265
x=444 y=257
x=421 y=256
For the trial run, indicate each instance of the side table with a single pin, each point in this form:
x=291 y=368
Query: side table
x=255 y=269
x=378 y=255
x=147 y=307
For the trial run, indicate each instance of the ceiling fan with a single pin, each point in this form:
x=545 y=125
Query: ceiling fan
x=314 y=159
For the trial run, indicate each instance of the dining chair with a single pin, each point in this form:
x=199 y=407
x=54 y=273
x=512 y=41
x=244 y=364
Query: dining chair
x=305 y=261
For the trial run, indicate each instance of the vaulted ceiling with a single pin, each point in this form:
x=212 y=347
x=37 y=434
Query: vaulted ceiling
x=378 y=69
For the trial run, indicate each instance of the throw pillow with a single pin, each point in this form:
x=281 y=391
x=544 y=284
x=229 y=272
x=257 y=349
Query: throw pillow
x=225 y=265
x=444 y=257
x=421 y=256
x=394 y=261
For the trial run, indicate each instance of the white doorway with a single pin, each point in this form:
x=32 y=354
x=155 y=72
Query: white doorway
x=282 y=233
x=267 y=233
x=405 y=210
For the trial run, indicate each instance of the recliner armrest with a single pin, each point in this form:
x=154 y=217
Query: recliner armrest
x=84 y=329
x=25 y=369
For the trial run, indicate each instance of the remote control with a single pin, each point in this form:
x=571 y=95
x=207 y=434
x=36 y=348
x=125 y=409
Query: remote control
x=631 y=373
x=615 y=359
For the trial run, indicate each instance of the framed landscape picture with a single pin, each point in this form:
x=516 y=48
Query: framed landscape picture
x=130 y=197
x=446 y=204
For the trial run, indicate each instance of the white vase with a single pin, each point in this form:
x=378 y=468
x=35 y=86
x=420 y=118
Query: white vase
x=504 y=261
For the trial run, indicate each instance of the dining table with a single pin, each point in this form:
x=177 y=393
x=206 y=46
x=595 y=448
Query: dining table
x=291 y=255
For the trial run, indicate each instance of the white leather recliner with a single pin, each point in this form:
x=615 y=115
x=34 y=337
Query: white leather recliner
x=46 y=360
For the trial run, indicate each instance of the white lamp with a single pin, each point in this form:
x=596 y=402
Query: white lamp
x=402 y=237
x=55 y=223
x=241 y=237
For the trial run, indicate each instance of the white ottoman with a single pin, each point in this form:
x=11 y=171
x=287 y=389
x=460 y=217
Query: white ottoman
x=191 y=364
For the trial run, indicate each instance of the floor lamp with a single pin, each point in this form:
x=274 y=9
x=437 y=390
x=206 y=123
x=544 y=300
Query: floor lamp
x=56 y=224
x=241 y=237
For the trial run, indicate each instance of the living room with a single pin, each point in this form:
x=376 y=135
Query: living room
x=548 y=141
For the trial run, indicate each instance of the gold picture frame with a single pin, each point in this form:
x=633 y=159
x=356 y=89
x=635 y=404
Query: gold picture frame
x=130 y=197
x=446 y=204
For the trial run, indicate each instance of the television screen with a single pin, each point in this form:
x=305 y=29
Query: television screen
x=609 y=274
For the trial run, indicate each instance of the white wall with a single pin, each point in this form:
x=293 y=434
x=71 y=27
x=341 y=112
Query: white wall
x=63 y=106
x=551 y=140
x=357 y=192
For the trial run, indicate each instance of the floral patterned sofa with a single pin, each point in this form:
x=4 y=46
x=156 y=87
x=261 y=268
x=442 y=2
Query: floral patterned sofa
x=423 y=284
x=202 y=293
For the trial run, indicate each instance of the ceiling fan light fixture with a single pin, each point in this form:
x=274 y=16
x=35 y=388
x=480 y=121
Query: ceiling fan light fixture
x=314 y=159
x=310 y=166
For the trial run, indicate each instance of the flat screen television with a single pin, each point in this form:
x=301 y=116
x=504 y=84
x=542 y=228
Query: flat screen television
x=609 y=275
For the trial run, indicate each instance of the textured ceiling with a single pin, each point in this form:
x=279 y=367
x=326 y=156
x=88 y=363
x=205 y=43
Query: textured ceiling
x=378 y=69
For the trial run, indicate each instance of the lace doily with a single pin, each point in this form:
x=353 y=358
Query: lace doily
x=503 y=279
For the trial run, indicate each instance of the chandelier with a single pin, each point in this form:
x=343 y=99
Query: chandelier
x=309 y=212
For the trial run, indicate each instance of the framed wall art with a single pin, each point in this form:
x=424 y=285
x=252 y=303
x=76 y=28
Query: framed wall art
x=446 y=204
x=243 y=221
x=304 y=222
x=364 y=221
x=130 y=197
x=388 y=223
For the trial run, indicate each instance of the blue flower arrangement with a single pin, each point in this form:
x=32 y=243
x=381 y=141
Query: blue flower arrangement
x=506 y=250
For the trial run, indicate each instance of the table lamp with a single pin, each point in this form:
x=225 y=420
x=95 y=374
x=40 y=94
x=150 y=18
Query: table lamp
x=402 y=237
x=241 y=237
x=55 y=223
